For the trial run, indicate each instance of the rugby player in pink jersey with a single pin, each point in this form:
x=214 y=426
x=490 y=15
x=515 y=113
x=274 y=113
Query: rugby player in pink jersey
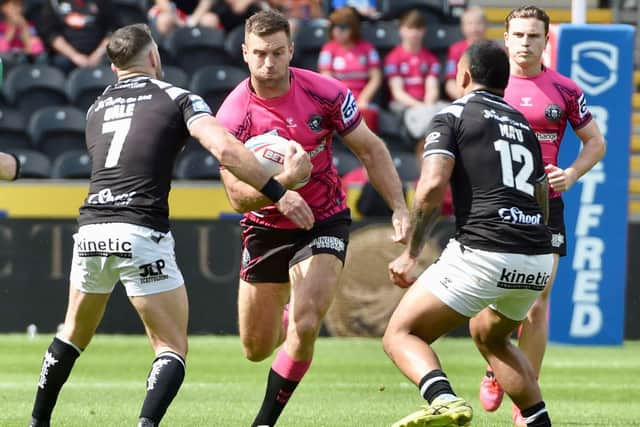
x=473 y=24
x=548 y=100
x=281 y=262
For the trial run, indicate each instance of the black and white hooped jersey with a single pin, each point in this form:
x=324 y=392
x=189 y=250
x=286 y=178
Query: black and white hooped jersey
x=134 y=132
x=498 y=161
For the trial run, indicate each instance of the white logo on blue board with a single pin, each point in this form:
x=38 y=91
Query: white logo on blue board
x=594 y=66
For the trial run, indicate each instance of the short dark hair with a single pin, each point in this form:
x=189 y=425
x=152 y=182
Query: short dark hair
x=528 y=12
x=267 y=22
x=488 y=64
x=126 y=43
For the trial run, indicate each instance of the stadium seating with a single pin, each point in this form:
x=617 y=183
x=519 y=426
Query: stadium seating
x=33 y=164
x=165 y=55
x=393 y=132
x=31 y=9
x=175 y=76
x=85 y=84
x=13 y=59
x=382 y=34
x=131 y=11
x=214 y=83
x=309 y=39
x=13 y=134
x=198 y=59
x=30 y=87
x=392 y=9
x=233 y=45
x=196 y=47
x=440 y=36
x=72 y=164
x=54 y=130
x=407 y=166
x=345 y=161
x=197 y=165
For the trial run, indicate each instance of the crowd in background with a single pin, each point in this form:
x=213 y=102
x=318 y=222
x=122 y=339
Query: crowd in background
x=398 y=86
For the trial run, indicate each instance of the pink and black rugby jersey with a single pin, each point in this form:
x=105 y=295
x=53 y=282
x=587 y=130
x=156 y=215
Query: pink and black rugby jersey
x=548 y=101
x=314 y=107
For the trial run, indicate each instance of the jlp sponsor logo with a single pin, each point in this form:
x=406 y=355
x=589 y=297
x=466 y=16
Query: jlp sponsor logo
x=152 y=272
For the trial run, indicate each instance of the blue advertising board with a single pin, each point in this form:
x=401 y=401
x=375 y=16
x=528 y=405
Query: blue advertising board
x=587 y=302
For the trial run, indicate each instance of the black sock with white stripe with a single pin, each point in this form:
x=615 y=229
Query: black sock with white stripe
x=56 y=367
x=536 y=415
x=163 y=383
x=436 y=384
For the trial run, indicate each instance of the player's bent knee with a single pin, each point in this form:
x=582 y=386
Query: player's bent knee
x=256 y=350
x=388 y=341
x=307 y=327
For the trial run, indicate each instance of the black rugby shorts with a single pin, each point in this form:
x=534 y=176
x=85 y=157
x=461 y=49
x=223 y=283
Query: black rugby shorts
x=556 y=226
x=268 y=253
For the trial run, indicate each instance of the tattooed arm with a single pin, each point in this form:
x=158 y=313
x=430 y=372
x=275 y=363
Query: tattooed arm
x=435 y=175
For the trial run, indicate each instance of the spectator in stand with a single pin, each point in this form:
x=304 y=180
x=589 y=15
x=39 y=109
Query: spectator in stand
x=233 y=13
x=16 y=33
x=77 y=32
x=412 y=72
x=298 y=11
x=366 y=8
x=165 y=16
x=354 y=61
x=474 y=28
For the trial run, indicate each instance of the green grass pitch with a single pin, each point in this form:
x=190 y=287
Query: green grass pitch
x=351 y=383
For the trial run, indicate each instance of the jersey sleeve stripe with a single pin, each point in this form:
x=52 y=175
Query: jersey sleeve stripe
x=439 y=151
x=196 y=117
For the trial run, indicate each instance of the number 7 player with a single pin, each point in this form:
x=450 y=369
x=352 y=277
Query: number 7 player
x=135 y=129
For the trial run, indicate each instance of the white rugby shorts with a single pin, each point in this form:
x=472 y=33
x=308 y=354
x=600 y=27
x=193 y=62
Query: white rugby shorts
x=468 y=280
x=141 y=258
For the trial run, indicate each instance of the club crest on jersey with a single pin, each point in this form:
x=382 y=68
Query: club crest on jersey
x=315 y=123
x=553 y=112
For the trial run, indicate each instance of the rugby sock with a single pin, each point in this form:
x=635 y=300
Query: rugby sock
x=56 y=367
x=536 y=416
x=284 y=376
x=163 y=382
x=436 y=385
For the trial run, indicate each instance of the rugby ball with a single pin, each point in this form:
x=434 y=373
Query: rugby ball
x=270 y=150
